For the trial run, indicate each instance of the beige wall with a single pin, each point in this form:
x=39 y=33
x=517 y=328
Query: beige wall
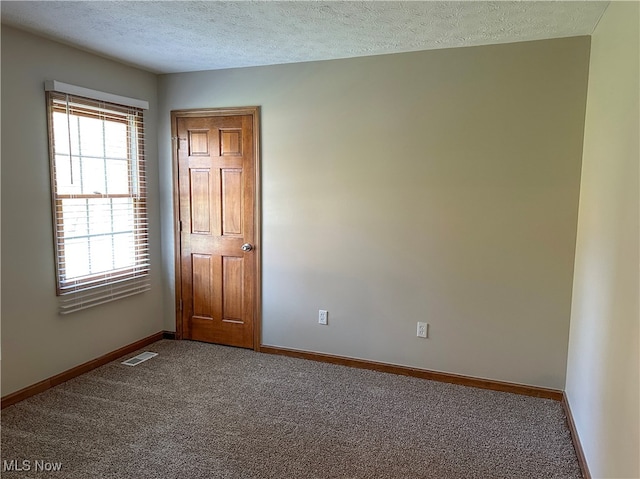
x=36 y=342
x=436 y=186
x=603 y=374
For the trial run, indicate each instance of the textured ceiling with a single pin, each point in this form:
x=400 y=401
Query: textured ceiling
x=178 y=36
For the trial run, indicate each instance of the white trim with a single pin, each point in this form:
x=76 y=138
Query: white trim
x=54 y=85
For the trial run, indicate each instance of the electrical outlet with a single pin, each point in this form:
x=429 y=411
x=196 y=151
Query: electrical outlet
x=423 y=329
x=323 y=316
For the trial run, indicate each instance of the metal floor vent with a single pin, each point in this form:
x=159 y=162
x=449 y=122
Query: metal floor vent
x=140 y=358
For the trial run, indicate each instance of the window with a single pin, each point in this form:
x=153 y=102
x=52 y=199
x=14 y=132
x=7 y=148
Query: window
x=99 y=200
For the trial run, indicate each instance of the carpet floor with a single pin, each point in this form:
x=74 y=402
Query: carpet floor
x=201 y=411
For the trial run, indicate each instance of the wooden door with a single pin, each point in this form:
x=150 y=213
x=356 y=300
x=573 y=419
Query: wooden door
x=217 y=221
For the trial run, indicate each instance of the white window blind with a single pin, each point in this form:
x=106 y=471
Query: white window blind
x=99 y=200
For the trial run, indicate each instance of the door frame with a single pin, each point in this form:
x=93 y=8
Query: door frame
x=254 y=111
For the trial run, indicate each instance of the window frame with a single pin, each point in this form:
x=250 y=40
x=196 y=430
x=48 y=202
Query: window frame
x=132 y=117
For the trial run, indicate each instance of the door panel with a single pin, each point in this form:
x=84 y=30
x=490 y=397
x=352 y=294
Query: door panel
x=201 y=201
x=232 y=286
x=216 y=183
x=230 y=142
x=202 y=280
x=231 y=202
x=198 y=143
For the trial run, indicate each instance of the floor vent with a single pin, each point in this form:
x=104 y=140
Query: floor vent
x=140 y=358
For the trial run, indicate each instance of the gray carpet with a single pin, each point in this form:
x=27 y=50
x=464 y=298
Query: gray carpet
x=205 y=411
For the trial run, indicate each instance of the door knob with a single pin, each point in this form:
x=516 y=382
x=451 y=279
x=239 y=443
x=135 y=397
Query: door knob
x=247 y=247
